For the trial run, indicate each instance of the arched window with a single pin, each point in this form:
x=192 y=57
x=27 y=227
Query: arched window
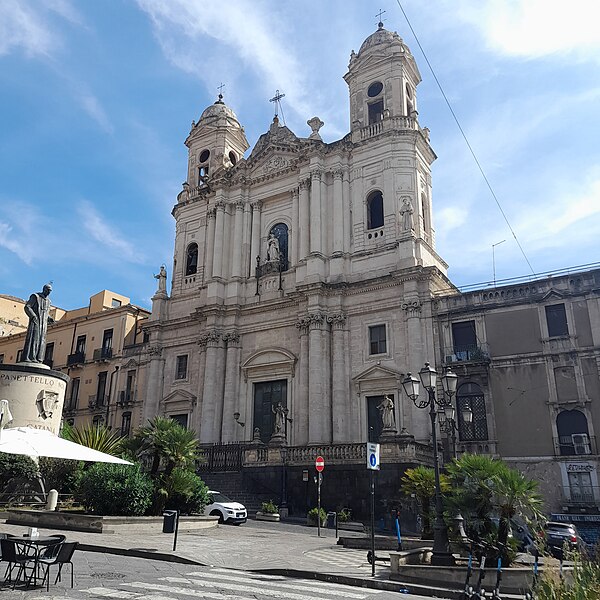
x=410 y=105
x=573 y=433
x=280 y=231
x=375 y=210
x=469 y=396
x=425 y=211
x=191 y=262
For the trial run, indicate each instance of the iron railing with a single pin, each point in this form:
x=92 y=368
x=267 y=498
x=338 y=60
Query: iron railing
x=103 y=353
x=78 y=358
x=467 y=353
x=575 y=445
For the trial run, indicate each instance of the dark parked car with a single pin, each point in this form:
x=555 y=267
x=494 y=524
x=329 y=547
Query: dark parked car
x=562 y=535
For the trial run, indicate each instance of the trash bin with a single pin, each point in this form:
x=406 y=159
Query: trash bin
x=169 y=517
x=331 y=516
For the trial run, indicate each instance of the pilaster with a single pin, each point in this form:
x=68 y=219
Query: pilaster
x=230 y=392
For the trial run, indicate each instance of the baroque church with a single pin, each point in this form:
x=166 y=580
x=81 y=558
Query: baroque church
x=306 y=285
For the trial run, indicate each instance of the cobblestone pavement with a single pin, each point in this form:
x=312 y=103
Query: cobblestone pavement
x=108 y=576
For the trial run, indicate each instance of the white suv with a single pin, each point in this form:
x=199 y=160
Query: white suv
x=226 y=509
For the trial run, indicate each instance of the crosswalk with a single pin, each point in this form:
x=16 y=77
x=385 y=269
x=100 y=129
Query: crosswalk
x=341 y=558
x=223 y=584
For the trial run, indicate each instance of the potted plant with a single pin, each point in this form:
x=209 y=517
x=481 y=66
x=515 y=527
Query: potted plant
x=269 y=512
x=313 y=516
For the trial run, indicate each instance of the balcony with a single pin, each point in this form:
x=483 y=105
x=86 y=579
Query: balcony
x=103 y=354
x=581 y=496
x=271 y=266
x=126 y=398
x=385 y=125
x=472 y=353
x=577 y=444
x=76 y=359
x=96 y=401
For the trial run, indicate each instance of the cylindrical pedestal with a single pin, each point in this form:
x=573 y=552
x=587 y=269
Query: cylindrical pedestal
x=35 y=395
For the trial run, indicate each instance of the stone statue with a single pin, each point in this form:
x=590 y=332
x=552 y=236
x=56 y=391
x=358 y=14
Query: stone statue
x=280 y=413
x=38 y=311
x=407 y=214
x=272 y=248
x=386 y=409
x=162 y=279
x=5 y=414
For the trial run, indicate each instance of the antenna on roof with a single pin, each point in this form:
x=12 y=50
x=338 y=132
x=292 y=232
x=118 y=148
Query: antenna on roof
x=276 y=99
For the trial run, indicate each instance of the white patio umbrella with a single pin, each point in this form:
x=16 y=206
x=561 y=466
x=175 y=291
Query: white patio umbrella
x=38 y=442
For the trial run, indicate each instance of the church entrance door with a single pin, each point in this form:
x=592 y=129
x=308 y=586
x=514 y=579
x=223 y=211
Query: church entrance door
x=266 y=395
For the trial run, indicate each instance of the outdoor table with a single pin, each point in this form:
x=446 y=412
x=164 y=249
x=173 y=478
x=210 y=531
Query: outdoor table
x=33 y=546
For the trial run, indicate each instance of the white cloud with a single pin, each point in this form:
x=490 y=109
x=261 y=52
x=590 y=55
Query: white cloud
x=22 y=27
x=94 y=109
x=536 y=28
x=106 y=234
x=13 y=242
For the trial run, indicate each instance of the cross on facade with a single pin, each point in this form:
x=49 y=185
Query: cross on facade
x=277 y=100
x=379 y=14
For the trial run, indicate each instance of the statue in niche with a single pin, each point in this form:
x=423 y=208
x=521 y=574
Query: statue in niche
x=38 y=311
x=406 y=211
x=162 y=279
x=280 y=413
x=272 y=248
x=386 y=410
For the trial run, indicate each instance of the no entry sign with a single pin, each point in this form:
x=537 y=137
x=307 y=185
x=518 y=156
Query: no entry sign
x=320 y=463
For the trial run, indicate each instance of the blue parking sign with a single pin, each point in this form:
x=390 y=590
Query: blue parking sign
x=373 y=456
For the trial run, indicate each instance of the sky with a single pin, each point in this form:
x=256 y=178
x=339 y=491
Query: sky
x=97 y=98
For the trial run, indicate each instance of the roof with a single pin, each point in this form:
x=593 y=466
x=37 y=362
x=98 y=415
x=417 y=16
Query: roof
x=218 y=112
x=380 y=37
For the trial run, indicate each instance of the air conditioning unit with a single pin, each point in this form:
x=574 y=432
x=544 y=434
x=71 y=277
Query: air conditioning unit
x=581 y=443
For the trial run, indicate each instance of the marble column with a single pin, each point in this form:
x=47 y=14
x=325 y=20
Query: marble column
x=415 y=349
x=301 y=403
x=255 y=246
x=304 y=211
x=236 y=268
x=227 y=241
x=347 y=210
x=210 y=242
x=218 y=245
x=247 y=235
x=315 y=212
x=212 y=398
x=154 y=389
x=317 y=415
x=340 y=392
x=294 y=238
x=197 y=415
x=230 y=393
x=338 y=213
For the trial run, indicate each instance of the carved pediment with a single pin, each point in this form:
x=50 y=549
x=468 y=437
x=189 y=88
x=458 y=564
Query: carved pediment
x=377 y=372
x=378 y=380
x=182 y=396
x=269 y=362
x=553 y=294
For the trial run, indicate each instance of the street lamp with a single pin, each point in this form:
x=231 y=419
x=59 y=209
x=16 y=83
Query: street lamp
x=441 y=547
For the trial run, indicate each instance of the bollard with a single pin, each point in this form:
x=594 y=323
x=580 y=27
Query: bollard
x=51 y=500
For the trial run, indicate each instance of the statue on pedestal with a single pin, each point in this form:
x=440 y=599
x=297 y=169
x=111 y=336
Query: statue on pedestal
x=162 y=280
x=280 y=413
x=272 y=248
x=37 y=309
x=406 y=211
x=386 y=410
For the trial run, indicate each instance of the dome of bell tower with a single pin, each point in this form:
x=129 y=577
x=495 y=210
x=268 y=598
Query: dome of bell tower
x=383 y=38
x=219 y=114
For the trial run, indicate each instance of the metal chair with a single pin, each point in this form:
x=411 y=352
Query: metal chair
x=10 y=555
x=62 y=557
x=52 y=549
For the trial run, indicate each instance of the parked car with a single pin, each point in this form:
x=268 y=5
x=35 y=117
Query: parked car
x=562 y=535
x=226 y=509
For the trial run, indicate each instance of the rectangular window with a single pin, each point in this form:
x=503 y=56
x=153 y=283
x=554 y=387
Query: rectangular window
x=19 y=355
x=580 y=488
x=181 y=419
x=377 y=340
x=125 y=423
x=115 y=303
x=80 y=347
x=130 y=386
x=73 y=398
x=267 y=395
x=375 y=112
x=101 y=389
x=107 y=339
x=48 y=356
x=556 y=318
x=146 y=337
x=476 y=429
x=1 y=358
x=181 y=370
x=464 y=339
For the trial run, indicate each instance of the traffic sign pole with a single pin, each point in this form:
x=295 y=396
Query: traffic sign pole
x=372 y=471
x=319 y=466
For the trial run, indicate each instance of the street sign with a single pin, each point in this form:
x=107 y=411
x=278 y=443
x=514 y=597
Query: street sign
x=320 y=463
x=372 y=456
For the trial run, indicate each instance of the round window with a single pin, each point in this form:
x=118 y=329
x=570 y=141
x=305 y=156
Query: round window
x=375 y=89
x=204 y=156
x=232 y=158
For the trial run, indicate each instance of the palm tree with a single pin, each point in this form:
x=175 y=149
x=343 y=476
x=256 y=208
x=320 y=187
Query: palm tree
x=514 y=494
x=97 y=437
x=420 y=482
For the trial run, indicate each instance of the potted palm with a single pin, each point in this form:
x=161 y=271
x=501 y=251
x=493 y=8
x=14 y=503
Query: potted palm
x=269 y=512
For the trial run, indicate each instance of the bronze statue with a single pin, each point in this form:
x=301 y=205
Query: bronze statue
x=37 y=309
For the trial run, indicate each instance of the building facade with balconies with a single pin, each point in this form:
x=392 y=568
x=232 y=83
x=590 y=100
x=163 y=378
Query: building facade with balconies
x=91 y=345
x=528 y=360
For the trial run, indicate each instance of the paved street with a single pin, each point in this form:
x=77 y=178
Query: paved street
x=109 y=576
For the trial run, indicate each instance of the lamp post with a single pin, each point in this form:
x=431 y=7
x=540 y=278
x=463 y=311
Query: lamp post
x=447 y=421
x=441 y=547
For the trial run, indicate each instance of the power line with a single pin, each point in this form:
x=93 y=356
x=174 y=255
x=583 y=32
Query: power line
x=489 y=185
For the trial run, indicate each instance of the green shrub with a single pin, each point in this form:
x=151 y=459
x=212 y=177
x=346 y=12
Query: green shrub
x=269 y=507
x=344 y=515
x=186 y=492
x=111 y=489
x=16 y=466
x=61 y=474
x=583 y=585
x=313 y=515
